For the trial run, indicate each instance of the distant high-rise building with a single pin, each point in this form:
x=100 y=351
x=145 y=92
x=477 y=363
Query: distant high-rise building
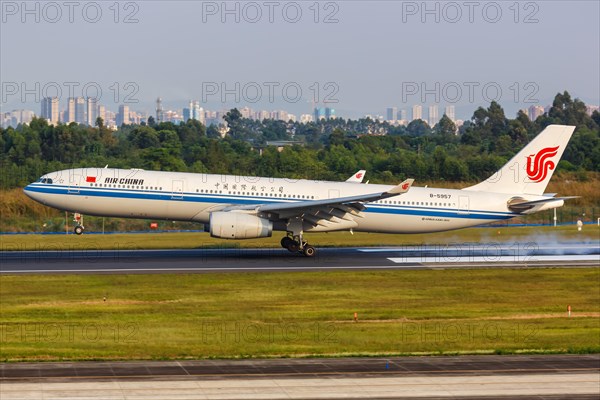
x=317 y=114
x=417 y=112
x=159 y=111
x=187 y=114
x=449 y=111
x=136 y=118
x=50 y=109
x=123 y=115
x=304 y=118
x=70 y=112
x=281 y=115
x=197 y=112
x=20 y=117
x=91 y=110
x=329 y=113
x=324 y=113
x=535 y=112
x=264 y=114
x=391 y=113
x=434 y=116
x=246 y=112
x=102 y=113
x=403 y=115
x=80 y=110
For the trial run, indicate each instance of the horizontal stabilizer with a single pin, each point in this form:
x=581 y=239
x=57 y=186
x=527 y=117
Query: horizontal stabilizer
x=519 y=204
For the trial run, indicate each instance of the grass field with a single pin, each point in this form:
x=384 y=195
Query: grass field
x=203 y=240
x=66 y=317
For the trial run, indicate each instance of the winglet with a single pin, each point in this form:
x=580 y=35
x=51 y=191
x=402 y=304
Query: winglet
x=401 y=188
x=357 y=177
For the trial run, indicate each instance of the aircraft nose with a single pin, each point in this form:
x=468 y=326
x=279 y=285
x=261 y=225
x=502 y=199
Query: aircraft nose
x=29 y=192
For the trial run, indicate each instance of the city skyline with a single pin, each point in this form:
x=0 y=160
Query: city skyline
x=85 y=111
x=321 y=61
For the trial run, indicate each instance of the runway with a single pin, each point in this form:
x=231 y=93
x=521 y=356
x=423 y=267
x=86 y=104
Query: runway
x=466 y=377
x=464 y=255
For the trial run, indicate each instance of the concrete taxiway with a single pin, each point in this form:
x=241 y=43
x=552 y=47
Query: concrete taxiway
x=468 y=377
x=464 y=255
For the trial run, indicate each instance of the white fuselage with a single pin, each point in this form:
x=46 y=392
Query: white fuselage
x=180 y=196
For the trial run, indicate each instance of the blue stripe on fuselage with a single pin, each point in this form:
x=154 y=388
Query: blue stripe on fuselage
x=231 y=199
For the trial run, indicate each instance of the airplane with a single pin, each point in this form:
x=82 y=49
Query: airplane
x=357 y=177
x=246 y=207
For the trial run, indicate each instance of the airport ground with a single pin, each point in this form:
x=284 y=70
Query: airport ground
x=83 y=307
x=464 y=377
x=80 y=310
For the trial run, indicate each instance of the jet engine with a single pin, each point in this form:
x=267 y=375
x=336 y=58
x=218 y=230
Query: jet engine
x=235 y=225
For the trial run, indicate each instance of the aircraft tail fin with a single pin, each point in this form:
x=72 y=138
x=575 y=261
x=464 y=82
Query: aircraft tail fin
x=530 y=170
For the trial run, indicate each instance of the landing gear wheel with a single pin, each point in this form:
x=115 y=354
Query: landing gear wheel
x=286 y=241
x=293 y=246
x=78 y=230
x=309 y=251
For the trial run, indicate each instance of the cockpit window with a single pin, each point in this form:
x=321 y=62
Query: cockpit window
x=45 y=180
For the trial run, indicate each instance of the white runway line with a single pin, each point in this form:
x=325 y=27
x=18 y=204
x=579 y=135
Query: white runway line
x=520 y=247
x=332 y=388
x=492 y=259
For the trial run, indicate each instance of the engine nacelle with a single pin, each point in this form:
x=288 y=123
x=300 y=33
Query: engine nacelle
x=235 y=225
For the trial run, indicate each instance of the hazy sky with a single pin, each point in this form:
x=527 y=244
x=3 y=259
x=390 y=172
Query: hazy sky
x=366 y=55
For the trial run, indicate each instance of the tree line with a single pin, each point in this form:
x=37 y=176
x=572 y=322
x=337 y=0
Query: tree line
x=332 y=149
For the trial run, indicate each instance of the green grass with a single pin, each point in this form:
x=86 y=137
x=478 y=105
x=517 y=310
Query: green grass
x=203 y=240
x=64 y=317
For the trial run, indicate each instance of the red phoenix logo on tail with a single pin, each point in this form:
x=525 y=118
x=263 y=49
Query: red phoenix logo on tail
x=537 y=169
x=359 y=175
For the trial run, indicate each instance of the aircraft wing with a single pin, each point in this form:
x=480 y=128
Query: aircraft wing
x=338 y=212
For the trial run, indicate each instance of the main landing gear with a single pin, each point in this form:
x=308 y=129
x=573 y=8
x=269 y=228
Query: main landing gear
x=294 y=242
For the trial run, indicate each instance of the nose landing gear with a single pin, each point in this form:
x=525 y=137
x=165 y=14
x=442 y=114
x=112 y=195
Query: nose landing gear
x=79 y=228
